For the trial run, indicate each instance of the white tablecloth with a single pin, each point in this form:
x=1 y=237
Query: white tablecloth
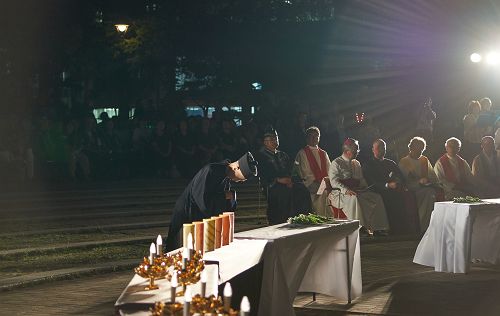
x=237 y=257
x=295 y=258
x=233 y=259
x=307 y=259
x=459 y=233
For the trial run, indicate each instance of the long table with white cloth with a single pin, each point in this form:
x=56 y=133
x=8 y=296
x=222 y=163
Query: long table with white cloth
x=459 y=233
x=321 y=259
x=296 y=258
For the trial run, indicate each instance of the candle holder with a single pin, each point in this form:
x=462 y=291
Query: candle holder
x=165 y=261
x=167 y=309
x=191 y=274
x=199 y=305
x=151 y=272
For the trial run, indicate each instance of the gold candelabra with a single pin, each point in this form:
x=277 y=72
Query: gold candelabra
x=164 y=309
x=188 y=272
x=200 y=305
x=158 y=270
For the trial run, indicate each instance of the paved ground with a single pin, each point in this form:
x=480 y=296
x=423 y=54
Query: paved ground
x=392 y=285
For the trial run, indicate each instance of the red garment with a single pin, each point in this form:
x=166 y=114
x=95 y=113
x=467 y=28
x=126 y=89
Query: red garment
x=319 y=173
x=338 y=213
x=448 y=172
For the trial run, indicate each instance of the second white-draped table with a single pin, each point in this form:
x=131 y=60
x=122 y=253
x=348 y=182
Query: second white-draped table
x=459 y=233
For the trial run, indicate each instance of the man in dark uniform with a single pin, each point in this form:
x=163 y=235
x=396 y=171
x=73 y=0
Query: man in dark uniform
x=209 y=194
x=286 y=195
x=386 y=178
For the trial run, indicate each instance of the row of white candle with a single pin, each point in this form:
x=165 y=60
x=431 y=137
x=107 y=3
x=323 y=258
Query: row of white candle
x=186 y=256
x=228 y=293
x=157 y=250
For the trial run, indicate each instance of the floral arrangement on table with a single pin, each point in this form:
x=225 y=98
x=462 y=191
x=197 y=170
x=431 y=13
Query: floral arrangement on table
x=467 y=199
x=310 y=219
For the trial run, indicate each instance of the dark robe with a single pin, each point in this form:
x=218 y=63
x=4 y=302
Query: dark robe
x=378 y=173
x=203 y=197
x=283 y=202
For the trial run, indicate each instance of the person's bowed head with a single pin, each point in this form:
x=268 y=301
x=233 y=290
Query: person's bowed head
x=243 y=168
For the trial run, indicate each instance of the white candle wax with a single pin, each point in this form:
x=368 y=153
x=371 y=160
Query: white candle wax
x=188 y=296
x=245 y=306
x=228 y=292
x=173 y=287
x=174 y=282
x=159 y=245
x=185 y=253
x=215 y=283
x=152 y=253
x=190 y=242
x=185 y=258
x=187 y=301
x=203 y=279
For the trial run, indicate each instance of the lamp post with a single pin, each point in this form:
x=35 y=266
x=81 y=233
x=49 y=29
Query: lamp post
x=121 y=28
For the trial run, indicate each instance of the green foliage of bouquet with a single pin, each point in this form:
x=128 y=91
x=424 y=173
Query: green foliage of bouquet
x=467 y=199
x=310 y=219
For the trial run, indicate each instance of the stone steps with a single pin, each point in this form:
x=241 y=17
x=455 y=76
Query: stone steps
x=112 y=227
x=140 y=209
x=87 y=244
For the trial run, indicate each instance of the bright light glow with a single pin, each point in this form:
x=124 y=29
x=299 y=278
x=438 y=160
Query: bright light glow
x=257 y=86
x=475 y=57
x=122 y=28
x=493 y=58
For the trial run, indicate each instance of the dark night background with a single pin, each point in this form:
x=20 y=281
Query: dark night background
x=323 y=57
x=83 y=195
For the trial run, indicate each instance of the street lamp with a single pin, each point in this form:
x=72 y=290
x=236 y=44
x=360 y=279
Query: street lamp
x=121 y=28
x=475 y=57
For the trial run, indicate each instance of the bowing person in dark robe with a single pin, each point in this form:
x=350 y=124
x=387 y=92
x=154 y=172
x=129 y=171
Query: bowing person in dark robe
x=286 y=195
x=208 y=194
x=386 y=178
